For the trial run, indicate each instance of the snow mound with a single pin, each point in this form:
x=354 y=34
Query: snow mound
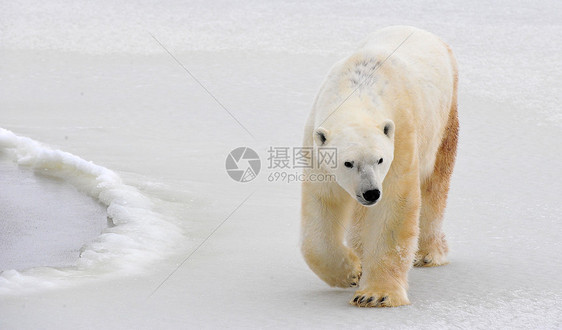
x=139 y=237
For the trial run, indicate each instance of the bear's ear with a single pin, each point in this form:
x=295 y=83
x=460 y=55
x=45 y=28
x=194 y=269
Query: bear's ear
x=388 y=128
x=320 y=136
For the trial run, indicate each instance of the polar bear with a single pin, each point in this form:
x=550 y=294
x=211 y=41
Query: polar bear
x=390 y=112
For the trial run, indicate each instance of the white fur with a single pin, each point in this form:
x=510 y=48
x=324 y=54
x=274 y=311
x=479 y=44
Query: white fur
x=389 y=100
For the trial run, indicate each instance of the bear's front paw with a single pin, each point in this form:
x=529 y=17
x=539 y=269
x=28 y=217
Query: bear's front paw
x=379 y=298
x=354 y=276
x=350 y=273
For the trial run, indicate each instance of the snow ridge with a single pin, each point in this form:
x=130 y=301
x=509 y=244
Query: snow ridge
x=139 y=237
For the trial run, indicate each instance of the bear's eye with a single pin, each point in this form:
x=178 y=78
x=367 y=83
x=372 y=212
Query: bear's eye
x=380 y=161
x=348 y=164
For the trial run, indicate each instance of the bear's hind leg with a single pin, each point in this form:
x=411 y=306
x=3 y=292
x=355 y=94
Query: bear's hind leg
x=432 y=246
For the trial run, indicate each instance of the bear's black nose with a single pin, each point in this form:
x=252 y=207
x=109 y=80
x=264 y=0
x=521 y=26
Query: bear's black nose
x=372 y=195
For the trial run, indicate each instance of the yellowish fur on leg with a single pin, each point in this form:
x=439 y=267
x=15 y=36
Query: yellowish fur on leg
x=433 y=248
x=390 y=240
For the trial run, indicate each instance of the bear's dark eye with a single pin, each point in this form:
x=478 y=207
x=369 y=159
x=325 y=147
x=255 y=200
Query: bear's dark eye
x=380 y=161
x=348 y=164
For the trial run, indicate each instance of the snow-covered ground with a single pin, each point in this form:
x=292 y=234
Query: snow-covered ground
x=88 y=79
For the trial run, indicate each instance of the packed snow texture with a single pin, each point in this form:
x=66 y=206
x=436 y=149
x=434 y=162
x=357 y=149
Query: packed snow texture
x=90 y=79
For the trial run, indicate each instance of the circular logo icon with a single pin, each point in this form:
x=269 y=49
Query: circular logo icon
x=243 y=164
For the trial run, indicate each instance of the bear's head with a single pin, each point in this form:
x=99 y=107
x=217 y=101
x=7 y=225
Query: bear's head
x=364 y=155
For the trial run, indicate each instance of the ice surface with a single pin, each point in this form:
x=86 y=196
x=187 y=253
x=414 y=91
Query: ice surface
x=89 y=79
x=44 y=221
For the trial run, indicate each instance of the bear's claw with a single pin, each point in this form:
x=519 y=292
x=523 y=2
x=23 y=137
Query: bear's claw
x=429 y=260
x=363 y=301
x=432 y=252
x=366 y=298
x=355 y=279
